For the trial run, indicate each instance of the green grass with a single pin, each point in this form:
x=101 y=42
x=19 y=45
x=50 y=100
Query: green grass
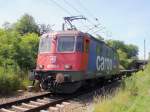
x=133 y=96
x=10 y=81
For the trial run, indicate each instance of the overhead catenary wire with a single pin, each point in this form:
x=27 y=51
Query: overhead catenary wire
x=86 y=10
x=87 y=26
x=70 y=5
x=95 y=26
x=98 y=30
x=68 y=12
x=74 y=8
x=61 y=7
x=89 y=14
x=92 y=28
x=64 y=9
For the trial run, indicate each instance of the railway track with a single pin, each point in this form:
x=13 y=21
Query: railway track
x=33 y=104
x=38 y=103
x=42 y=102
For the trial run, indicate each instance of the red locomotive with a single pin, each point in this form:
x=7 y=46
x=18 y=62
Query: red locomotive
x=68 y=59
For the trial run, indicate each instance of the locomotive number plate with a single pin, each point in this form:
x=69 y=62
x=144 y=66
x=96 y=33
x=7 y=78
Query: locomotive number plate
x=53 y=59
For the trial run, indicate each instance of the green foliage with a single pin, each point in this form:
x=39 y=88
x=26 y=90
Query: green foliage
x=127 y=53
x=26 y=25
x=116 y=44
x=133 y=97
x=8 y=40
x=25 y=83
x=8 y=82
x=26 y=51
x=131 y=50
x=18 y=51
x=7 y=26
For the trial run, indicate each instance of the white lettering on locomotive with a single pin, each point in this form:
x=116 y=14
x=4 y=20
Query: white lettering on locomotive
x=97 y=63
x=103 y=63
x=52 y=66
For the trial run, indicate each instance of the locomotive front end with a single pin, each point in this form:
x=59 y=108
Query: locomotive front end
x=60 y=61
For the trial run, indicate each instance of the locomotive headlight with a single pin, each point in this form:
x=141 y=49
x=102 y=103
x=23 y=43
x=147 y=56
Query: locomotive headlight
x=41 y=66
x=68 y=66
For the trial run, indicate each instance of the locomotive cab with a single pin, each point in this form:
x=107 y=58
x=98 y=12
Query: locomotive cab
x=62 y=52
x=62 y=57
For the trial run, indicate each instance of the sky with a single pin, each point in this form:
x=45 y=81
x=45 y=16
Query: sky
x=125 y=20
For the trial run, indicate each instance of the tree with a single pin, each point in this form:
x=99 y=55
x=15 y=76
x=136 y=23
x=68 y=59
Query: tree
x=8 y=38
x=26 y=51
x=18 y=47
x=122 y=59
x=26 y=24
x=116 y=44
x=7 y=26
x=132 y=50
x=43 y=28
x=127 y=53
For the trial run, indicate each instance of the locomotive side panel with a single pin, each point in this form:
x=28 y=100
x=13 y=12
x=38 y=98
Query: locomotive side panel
x=91 y=70
x=103 y=61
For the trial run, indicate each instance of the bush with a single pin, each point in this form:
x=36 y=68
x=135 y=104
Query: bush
x=9 y=83
x=25 y=83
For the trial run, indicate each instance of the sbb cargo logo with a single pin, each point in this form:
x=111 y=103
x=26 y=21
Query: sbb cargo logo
x=103 y=63
x=53 y=59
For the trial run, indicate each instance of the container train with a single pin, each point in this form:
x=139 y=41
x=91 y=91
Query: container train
x=69 y=59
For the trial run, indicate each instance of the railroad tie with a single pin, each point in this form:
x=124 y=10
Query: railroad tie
x=49 y=100
x=19 y=108
x=28 y=105
x=43 y=111
x=36 y=103
x=5 y=110
x=53 y=109
x=67 y=106
x=42 y=101
x=61 y=107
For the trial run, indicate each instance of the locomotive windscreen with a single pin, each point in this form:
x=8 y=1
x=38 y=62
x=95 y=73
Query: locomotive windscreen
x=66 y=43
x=79 y=44
x=45 y=44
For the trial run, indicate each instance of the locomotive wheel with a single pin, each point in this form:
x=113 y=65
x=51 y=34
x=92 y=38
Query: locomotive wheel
x=65 y=88
x=44 y=85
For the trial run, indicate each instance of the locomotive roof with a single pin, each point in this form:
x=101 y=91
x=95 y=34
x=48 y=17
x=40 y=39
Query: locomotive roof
x=66 y=32
x=101 y=42
x=76 y=33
